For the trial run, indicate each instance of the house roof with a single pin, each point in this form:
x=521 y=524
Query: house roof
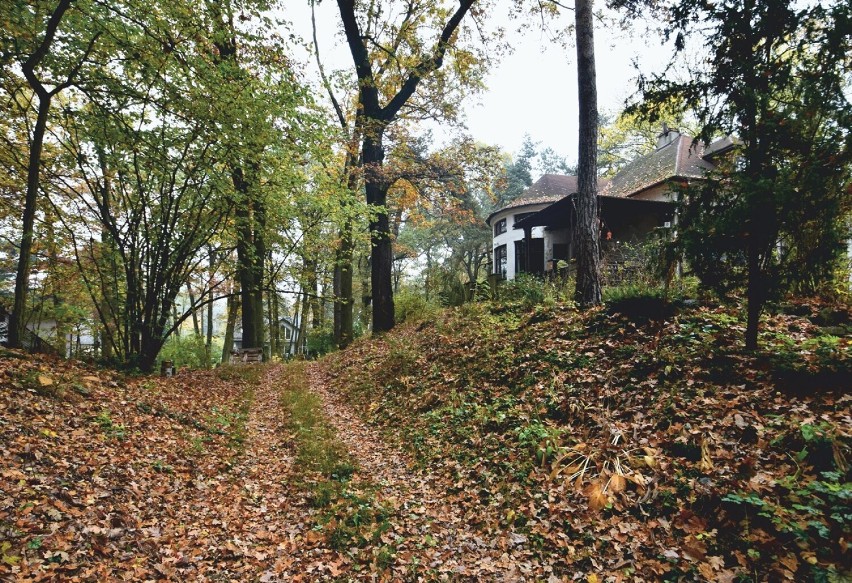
x=681 y=158
x=720 y=146
x=547 y=189
x=678 y=159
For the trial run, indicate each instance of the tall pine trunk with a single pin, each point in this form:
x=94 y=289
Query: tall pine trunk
x=588 y=290
x=754 y=296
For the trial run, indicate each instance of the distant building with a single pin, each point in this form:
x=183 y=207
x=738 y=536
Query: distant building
x=289 y=332
x=534 y=232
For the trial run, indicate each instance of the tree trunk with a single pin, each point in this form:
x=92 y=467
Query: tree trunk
x=343 y=272
x=250 y=212
x=17 y=321
x=337 y=308
x=275 y=339
x=381 y=264
x=294 y=337
x=427 y=279
x=588 y=290
x=251 y=251
x=109 y=311
x=365 y=314
x=208 y=343
x=376 y=119
x=343 y=304
x=151 y=345
x=303 y=325
x=754 y=299
x=313 y=289
x=233 y=306
x=175 y=319
x=195 y=325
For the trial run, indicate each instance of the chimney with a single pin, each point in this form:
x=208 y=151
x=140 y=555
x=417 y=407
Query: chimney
x=667 y=136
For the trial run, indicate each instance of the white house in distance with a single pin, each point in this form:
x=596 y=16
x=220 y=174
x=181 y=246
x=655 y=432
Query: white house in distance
x=508 y=242
x=536 y=230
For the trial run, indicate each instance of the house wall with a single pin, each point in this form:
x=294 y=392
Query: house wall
x=661 y=192
x=636 y=227
x=512 y=234
x=554 y=237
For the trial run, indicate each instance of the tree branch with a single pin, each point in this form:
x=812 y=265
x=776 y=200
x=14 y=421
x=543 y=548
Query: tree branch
x=341 y=118
x=38 y=55
x=427 y=66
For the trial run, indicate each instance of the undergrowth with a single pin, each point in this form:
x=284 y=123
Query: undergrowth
x=664 y=426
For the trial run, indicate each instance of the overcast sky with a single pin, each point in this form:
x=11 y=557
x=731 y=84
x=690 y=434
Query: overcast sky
x=533 y=90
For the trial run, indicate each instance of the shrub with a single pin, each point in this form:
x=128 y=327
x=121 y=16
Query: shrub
x=411 y=306
x=638 y=302
x=320 y=341
x=633 y=263
x=188 y=351
x=525 y=289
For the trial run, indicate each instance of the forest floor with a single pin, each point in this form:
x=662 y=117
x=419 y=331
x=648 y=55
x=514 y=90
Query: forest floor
x=499 y=443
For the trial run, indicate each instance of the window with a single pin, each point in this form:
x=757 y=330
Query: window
x=521 y=216
x=560 y=251
x=520 y=256
x=500 y=259
x=500 y=227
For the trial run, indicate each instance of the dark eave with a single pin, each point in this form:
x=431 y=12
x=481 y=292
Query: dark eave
x=560 y=214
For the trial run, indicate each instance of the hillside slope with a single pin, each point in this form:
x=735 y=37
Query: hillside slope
x=626 y=449
x=501 y=443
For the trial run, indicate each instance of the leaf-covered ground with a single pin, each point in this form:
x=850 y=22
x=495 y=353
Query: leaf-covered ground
x=626 y=450
x=497 y=444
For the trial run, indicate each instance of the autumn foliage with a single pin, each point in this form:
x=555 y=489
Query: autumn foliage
x=622 y=448
x=495 y=443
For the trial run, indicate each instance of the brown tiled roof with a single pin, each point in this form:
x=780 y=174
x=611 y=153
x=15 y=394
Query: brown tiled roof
x=679 y=159
x=547 y=189
x=719 y=146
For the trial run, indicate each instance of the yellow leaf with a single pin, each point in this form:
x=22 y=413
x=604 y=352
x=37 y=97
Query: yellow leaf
x=597 y=498
x=638 y=479
x=706 y=571
x=593 y=578
x=706 y=463
x=45 y=380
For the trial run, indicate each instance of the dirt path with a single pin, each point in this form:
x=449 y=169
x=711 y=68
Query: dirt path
x=244 y=518
x=430 y=533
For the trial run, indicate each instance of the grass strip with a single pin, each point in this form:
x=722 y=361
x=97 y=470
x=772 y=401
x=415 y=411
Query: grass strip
x=348 y=513
x=319 y=451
